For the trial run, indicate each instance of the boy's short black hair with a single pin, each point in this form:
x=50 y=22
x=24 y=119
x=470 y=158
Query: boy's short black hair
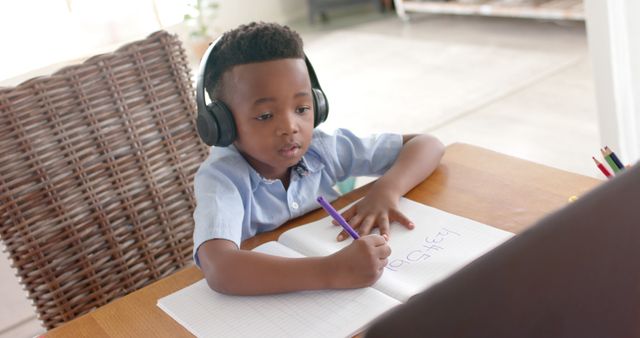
x=253 y=42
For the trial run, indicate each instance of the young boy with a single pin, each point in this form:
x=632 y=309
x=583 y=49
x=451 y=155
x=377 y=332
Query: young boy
x=278 y=165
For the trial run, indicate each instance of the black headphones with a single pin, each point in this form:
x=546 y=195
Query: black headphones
x=215 y=123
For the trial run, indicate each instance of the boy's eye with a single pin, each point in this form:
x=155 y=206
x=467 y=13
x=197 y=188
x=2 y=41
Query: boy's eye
x=302 y=110
x=264 y=116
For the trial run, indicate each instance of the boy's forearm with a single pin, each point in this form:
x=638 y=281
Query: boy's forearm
x=419 y=157
x=242 y=272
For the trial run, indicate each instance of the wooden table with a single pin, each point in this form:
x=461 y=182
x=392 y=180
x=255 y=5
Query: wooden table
x=486 y=186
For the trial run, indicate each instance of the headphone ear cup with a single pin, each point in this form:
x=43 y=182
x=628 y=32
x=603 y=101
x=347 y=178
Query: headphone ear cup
x=207 y=126
x=320 y=105
x=226 y=123
x=215 y=125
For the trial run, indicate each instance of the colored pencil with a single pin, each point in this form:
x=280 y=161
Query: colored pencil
x=607 y=157
x=334 y=213
x=614 y=157
x=602 y=168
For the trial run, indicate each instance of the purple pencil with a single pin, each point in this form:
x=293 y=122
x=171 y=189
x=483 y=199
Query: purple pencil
x=326 y=206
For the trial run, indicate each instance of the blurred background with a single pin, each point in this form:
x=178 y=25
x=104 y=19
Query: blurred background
x=549 y=81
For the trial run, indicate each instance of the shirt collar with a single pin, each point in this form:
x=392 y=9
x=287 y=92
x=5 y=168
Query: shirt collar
x=306 y=166
x=301 y=168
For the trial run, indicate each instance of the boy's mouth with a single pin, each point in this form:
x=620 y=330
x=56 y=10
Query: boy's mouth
x=290 y=150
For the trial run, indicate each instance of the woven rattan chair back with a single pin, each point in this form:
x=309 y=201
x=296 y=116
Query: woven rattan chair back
x=96 y=175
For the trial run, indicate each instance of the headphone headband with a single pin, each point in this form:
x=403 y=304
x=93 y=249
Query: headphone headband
x=200 y=89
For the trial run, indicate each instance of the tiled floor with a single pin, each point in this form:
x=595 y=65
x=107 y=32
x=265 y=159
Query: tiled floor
x=537 y=97
x=521 y=87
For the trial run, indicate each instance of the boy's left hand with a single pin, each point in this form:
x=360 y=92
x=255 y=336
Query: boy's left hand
x=374 y=210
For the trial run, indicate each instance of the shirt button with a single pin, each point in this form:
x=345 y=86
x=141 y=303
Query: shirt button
x=294 y=205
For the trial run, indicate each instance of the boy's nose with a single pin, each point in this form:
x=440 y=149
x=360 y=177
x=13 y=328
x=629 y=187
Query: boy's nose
x=288 y=125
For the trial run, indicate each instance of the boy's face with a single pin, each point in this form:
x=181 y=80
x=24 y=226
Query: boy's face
x=272 y=106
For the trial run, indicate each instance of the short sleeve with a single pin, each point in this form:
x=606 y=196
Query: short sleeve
x=219 y=210
x=350 y=155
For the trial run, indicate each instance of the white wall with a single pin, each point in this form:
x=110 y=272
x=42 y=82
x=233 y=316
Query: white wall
x=633 y=9
x=235 y=12
x=45 y=35
x=38 y=33
x=232 y=13
x=614 y=46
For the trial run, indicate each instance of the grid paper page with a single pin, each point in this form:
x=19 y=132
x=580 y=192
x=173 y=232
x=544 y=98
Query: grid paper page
x=326 y=313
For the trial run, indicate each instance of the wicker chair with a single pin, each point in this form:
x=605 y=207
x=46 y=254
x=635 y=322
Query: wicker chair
x=96 y=176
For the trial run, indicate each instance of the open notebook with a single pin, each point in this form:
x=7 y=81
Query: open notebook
x=440 y=244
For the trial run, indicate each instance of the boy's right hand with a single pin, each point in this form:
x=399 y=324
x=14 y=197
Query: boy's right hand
x=360 y=264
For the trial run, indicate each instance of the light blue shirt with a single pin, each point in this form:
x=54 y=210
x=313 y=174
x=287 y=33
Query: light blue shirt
x=235 y=203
